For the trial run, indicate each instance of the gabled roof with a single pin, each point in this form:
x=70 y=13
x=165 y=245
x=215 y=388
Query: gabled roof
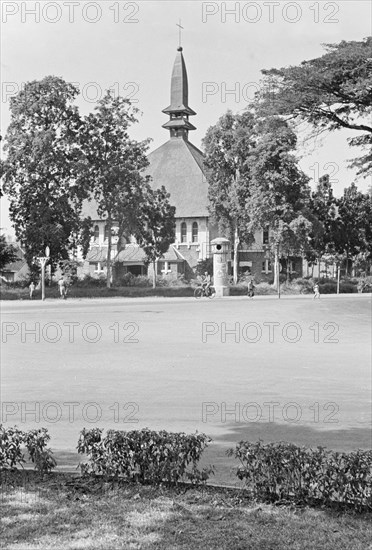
x=97 y=254
x=135 y=254
x=173 y=255
x=178 y=165
x=131 y=253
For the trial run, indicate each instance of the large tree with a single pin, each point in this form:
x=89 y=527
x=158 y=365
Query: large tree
x=330 y=92
x=40 y=169
x=112 y=167
x=323 y=206
x=157 y=231
x=279 y=192
x=227 y=146
x=352 y=228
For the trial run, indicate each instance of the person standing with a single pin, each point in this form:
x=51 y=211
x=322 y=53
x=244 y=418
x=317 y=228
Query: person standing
x=251 y=289
x=316 y=291
x=62 y=288
x=32 y=289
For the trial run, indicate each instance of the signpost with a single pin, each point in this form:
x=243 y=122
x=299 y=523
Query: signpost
x=43 y=261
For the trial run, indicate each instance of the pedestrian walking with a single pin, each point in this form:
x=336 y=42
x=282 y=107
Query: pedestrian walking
x=32 y=289
x=316 y=291
x=62 y=288
x=251 y=289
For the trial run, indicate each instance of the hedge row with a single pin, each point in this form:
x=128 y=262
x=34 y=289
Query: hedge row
x=283 y=471
x=103 y=292
x=144 y=456
x=271 y=472
x=14 y=443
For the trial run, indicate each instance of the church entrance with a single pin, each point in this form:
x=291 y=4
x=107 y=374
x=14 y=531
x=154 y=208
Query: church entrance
x=136 y=270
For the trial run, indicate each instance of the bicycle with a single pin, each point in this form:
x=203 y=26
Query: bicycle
x=201 y=291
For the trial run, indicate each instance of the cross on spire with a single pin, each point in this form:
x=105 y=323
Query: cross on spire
x=179 y=32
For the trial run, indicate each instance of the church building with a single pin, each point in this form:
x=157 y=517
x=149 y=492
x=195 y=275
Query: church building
x=178 y=166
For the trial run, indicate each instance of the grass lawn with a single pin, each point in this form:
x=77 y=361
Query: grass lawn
x=66 y=512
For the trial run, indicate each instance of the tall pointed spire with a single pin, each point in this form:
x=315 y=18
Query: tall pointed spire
x=179 y=110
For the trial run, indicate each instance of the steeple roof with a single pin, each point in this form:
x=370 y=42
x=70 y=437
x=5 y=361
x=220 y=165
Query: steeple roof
x=179 y=166
x=179 y=88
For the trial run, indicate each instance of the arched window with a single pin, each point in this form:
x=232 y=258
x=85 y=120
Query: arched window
x=96 y=233
x=183 y=232
x=195 y=232
x=106 y=233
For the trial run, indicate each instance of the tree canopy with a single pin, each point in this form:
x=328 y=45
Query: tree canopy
x=112 y=166
x=40 y=169
x=227 y=147
x=330 y=92
x=158 y=226
x=255 y=181
x=352 y=231
x=8 y=252
x=279 y=192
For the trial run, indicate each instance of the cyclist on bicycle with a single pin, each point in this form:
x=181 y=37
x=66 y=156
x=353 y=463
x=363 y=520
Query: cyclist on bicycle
x=206 y=283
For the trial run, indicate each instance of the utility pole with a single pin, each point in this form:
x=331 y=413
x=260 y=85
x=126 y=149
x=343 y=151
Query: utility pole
x=43 y=261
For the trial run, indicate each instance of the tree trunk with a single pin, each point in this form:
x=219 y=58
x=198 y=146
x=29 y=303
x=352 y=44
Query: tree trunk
x=287 y=268
x=108 y=261
x=277 y=270
x=154 y=267
x=236 y=254
x=319 y=259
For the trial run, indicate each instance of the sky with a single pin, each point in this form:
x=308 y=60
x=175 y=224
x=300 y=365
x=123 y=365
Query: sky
x=130 y=48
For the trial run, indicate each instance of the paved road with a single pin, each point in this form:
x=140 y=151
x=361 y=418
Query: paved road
x=295 y=369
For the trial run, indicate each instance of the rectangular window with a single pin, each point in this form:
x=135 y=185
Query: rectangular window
x=266 y=266
x=183 y=232
x=195 y=231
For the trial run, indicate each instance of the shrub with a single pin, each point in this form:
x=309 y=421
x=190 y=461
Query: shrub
x=259 y=289
x=142 y=281
x=23 y=282
x=264 y=289
x=364 y=284
x=278 y=471
x=13 y=443
x=90 y=281
x=126 y=280
x=330 y=287
x=172 y=280
x=144 y=456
